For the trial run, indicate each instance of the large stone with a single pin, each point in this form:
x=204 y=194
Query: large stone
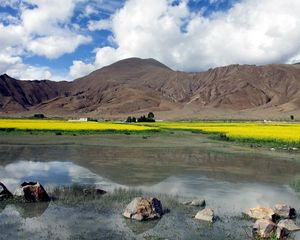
x=289 y=225
x=260 y=212
x=284 y=211
x=143 y=209
x=206 y=214
x=4 y=192
x=264 y=228
x=32 y=192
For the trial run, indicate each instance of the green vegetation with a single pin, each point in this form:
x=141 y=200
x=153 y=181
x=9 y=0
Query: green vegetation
x=295 y=184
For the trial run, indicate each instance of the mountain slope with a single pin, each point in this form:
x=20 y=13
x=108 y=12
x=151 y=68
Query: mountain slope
x=136 y=86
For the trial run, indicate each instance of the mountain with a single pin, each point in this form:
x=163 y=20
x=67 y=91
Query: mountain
x=136 y=86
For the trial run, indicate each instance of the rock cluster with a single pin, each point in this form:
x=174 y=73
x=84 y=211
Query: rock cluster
x=278 y=221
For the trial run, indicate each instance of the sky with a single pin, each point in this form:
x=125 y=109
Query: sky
x=65 y=40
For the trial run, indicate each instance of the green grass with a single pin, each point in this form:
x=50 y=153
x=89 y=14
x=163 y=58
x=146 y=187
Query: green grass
x=295 y=184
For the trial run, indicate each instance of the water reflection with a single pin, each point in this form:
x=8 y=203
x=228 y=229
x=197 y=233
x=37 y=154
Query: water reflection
x=49 y=173
x=150 y=165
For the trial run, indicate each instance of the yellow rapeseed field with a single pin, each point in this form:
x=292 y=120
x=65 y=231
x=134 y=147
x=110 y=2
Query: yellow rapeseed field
x=282 y=132
x=24 y=124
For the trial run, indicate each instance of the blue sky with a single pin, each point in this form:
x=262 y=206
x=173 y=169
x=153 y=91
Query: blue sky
x=42 y=39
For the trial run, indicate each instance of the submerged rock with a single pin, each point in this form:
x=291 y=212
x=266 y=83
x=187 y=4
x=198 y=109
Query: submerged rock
x=264 y=228
x=92 y=191
x=196 y=203
x=4 y=192
x=260 y=212
x=32 y=192
x=143 y=209
x=284 y=211
x=206 y=214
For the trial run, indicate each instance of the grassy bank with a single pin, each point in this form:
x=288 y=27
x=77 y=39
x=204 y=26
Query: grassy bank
x=285 y=136
x=279 y=135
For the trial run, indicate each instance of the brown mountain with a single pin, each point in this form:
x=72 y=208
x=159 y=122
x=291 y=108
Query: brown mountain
x=136 y=86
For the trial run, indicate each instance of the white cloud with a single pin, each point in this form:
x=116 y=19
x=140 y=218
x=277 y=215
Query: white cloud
x=27 y=72
x=252 y=31
x=80 y=69
x=42 y=28
x=55 y=46
x=99 y=25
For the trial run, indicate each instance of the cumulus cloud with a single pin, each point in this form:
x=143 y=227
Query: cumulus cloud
x=55 y=46
x=40 y=28
x=252 y=31
x=80 y=69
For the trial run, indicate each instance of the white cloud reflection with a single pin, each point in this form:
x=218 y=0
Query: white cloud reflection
x=50 y=173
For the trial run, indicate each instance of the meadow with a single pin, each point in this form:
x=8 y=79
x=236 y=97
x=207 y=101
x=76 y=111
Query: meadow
x=251 y=132
x=275 y=133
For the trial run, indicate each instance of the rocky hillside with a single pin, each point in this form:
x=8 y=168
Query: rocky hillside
x=135 y=86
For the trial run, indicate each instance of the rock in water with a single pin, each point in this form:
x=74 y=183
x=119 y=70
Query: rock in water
x=143 y=209
x=92 y=191
x=32 y=192
x=195 y=203
x=289 y=225
x=264 y=228
x=206 y=214
x=284 y=211
x=260 y=212
x=4 y=192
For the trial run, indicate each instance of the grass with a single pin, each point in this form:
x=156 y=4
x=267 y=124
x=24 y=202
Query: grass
x=285 y=135
x=295 y=184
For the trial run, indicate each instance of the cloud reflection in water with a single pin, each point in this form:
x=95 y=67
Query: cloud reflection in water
x=50 y=173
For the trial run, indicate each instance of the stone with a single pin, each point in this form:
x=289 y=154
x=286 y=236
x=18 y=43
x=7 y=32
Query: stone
x=91 y=191
x=4 y=192
x=264 y=228
x=260 y=212
x=32 y=192
x=289 y=225
x=206 y=214
x=143 y=209
x=284 y=211
x=195 y=203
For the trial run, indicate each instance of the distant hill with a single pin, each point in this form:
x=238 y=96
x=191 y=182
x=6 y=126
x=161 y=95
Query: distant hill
x=135 y=86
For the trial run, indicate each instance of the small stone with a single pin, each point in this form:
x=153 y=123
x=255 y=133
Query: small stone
x=89 y=191
x=206 y=214
x=195 y=203
x=198 y=203
x=294 y=149
x=272 y=149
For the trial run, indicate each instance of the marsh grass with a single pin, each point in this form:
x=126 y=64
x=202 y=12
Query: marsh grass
x=295 y=184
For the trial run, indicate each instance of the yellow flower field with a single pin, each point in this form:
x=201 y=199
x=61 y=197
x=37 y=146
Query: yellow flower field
x=283 y=132
x=24 y=124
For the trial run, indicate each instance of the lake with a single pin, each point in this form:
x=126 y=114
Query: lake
x=183 y=165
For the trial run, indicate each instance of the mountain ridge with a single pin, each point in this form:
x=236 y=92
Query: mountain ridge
x=136 y=86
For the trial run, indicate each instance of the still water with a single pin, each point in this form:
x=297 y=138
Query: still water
x=230 y=179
